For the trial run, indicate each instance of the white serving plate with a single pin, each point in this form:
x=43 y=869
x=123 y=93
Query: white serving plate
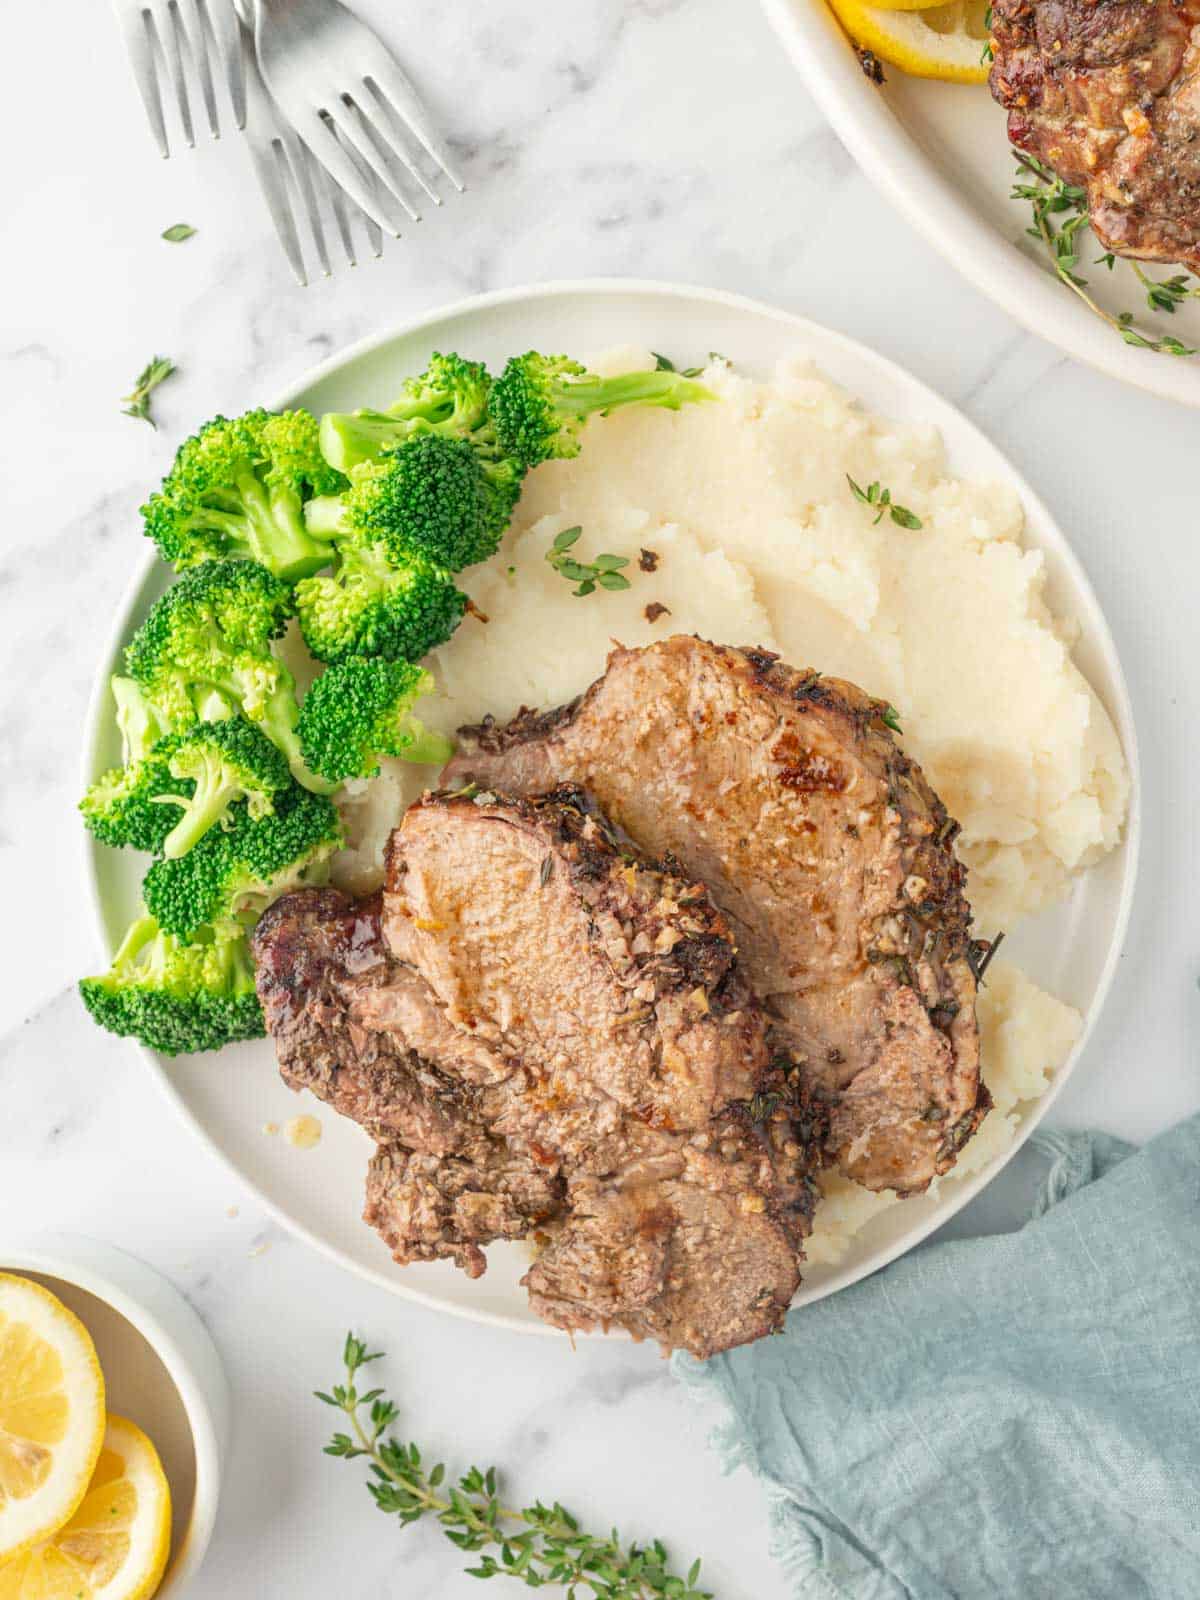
x=227 y=1098
x=940 y=155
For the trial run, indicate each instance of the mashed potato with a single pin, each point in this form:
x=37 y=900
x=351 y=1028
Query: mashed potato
x=758 y=540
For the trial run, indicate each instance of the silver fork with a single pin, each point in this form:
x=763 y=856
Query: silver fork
x=337 y=84
x=161 y=36
x=287 y=171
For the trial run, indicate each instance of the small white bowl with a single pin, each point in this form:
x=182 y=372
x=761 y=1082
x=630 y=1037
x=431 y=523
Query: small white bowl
x=161 y=1369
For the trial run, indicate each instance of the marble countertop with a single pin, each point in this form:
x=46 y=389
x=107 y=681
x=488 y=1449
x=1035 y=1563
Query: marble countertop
x=653 y=138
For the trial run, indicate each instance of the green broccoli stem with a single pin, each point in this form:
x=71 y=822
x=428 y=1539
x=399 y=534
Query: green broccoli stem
x=277 y=717
x=216 y=791
x=580 y=397
x=277 y=534
x=349 y=439
x=141 y=932
x=140 y=725
x=424 y=745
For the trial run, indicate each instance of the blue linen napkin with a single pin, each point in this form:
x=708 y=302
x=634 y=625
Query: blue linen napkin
x=1012 y=1417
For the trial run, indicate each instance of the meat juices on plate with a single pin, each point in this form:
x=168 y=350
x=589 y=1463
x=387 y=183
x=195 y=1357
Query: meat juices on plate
x=786 y=793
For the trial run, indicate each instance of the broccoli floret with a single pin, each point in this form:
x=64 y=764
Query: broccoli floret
x=538 y=404
x=375 y=608
x=434 y=499
x=132 y=806
x=178 y=998
x=361 y=710
x=450 y=396
x=206 y=648
x=223 y=762
x=233 y=874
x=141 y=723
x=238 y=488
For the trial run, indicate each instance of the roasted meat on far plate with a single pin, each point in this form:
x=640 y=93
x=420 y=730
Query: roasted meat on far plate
x=1107 y=94
x=787 y=795
x=552 y=1005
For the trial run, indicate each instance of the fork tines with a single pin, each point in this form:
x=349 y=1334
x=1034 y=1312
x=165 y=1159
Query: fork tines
x=164 y=39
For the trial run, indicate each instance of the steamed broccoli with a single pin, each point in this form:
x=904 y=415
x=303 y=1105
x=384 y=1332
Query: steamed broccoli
x=361 y=710
x=238 y=488
x=205 y=651
x=178 y=998
x=372 y=607
x=437 y=499
x=131 y=806
x=538 y=404
x=222 y=762
x=233 y=874
x=141 y=724
x=449 y=397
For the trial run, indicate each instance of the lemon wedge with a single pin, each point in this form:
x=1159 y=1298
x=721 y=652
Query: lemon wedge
x=51 y=1412
x=115 y=1545
x=932 y=42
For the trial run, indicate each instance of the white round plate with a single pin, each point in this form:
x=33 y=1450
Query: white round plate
x=229 y=1097
x=939 y=153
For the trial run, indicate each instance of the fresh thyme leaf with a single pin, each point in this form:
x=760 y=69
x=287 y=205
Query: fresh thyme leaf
x=1167 y=293
x=604 y=572
x=178 y=232
x=137 y=404
x=987 y=53
x=880 y=501
x=1050 y=197
x=891 y=719
x=538 y=1544
x=903 y=518
x=661 y=363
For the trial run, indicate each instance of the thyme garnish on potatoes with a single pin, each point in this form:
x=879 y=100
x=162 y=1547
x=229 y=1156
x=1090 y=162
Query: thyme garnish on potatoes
x=538 y=1544
x=603 y=571
x=1051 y=197
x=880 y=501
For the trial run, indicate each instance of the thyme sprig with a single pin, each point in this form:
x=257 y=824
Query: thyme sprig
x=137 y=403
x=1051 y=198
x=880 y=501
x=603 y=571
x=1164 y=294
x=538 y=1544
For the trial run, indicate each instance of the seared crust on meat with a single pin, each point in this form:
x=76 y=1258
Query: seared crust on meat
x=1107 y=94
x=552 y=1038
x=341 y=1011
x=786 y=793
x=640 y=1071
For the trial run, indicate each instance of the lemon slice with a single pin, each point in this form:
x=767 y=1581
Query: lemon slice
x=51 y=1412
x=115 y=1546
x=935 y=42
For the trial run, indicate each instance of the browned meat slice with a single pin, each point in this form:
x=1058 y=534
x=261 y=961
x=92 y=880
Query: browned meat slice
x=787 y=795
x=427 y=1206
x=335 y=1003
x=1107 y=94
x=644 y=1077
x=695 y=1259
x=340 y=1010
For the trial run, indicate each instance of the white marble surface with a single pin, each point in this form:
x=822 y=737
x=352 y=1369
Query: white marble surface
x=647 y=137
